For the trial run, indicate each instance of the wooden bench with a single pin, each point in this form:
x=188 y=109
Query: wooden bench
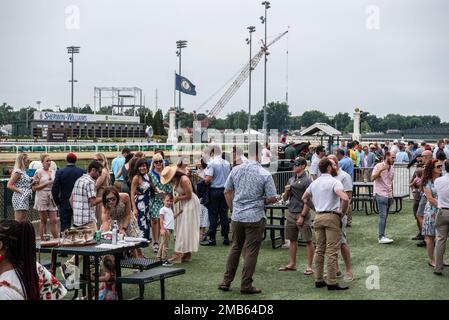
x=148 y=276
x=140 y=263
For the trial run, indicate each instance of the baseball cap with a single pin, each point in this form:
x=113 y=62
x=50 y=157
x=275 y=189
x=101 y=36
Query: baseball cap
x=71 y=157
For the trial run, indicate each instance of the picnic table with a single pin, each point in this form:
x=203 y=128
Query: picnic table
x=97 y=250
x=272 y=227
x=362 y=193
x=367 y=197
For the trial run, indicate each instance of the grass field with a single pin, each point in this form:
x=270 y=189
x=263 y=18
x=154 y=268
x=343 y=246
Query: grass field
x=403 y=269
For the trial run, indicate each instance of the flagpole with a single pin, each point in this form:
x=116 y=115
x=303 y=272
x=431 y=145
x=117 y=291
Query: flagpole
x=174 y=93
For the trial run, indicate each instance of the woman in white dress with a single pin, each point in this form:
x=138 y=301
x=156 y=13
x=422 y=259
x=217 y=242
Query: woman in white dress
x=187 y=214
x=44 y=203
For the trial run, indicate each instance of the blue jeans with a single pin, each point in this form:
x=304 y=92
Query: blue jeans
x=383 y=205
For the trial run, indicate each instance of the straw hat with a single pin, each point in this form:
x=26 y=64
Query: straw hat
x=167 y=174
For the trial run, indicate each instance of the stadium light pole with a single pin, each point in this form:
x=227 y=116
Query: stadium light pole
x=72 y=50
x=249 y=42
x=179 y=45
x=263 y=19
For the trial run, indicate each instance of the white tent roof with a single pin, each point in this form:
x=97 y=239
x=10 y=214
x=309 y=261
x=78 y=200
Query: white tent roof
x=320 y=127
x=254 y=132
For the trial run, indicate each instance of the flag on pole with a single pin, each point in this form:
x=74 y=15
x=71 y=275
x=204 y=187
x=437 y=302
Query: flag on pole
x=184 y=85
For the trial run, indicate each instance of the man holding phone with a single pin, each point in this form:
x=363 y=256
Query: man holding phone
x=383 y=175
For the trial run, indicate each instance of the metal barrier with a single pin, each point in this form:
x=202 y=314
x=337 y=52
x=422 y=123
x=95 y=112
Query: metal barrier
x=281 y=179
x=6 y=209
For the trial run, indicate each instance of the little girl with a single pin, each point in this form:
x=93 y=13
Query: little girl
x=107 y=289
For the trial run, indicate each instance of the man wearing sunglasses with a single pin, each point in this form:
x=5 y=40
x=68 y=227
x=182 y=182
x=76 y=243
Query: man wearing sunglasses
x=294 y=190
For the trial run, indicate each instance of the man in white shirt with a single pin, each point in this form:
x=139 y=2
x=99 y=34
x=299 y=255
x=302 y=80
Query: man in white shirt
x=320 y=153
x=327 y=196
x=442 y=218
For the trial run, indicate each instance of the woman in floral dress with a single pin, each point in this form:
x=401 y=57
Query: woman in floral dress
x=142 y=191
x=432 y=170
x=157 y=165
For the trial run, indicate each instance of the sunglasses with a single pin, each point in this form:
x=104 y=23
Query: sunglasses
x=158 y=161
x=439 y=166
x=111 y=199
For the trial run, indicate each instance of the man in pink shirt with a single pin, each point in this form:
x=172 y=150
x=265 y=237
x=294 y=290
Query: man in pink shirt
x=383 y=175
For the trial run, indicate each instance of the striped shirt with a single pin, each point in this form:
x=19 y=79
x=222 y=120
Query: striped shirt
x=83 y=190
x=251 y=184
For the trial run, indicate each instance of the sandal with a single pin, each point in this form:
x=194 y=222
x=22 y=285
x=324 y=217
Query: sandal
x=308 y=272
x=155 y=247
x=287 y=268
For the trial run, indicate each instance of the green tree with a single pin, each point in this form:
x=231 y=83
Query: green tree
x=158 y=123
x=294 y=122
x=341 y=121
x=237 y=120
x=277 y=116
x=310 y=117
x=86 y=109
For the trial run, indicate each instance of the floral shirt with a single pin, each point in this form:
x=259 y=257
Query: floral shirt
x=49 y=287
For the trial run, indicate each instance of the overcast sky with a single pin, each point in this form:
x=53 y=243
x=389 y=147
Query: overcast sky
x=381 y=55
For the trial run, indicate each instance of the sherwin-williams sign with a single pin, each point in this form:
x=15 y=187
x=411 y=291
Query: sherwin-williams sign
x=80 y=117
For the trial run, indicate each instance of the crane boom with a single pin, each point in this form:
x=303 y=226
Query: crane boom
x=241 y=78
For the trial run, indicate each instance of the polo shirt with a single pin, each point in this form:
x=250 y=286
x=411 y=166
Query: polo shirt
x=298 y=185
x=323 y=191
x=219 y=170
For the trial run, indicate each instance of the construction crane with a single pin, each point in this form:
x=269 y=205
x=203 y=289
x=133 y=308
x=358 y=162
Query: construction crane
x=238 y=82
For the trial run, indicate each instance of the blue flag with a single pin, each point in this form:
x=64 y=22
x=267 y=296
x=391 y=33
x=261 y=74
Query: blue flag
x=184 y=85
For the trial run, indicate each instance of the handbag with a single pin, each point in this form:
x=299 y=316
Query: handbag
x=78 y=236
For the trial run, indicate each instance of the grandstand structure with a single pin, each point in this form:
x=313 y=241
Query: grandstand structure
x=427 y=133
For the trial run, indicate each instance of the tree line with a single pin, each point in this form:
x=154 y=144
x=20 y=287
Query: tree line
x=278 y=115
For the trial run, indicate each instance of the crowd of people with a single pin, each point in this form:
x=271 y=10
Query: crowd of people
x=150 y=199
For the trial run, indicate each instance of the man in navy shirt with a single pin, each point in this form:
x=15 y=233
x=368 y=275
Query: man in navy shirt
x=62 y=189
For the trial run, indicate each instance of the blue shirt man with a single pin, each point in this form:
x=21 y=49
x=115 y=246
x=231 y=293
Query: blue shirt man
x=402 y=157
x=347 y=165
x=216 y=173
x=118 y=163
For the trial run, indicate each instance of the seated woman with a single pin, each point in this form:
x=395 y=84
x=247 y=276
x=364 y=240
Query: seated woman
x=21 y=277
x=117 y=206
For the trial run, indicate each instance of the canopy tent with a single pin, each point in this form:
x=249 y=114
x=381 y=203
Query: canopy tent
x=322 y=130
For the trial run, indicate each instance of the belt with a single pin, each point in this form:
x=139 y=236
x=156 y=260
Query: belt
x=334 y=212
x=444 y=208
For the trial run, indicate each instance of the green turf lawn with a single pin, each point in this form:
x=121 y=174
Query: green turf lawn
x=404 y=273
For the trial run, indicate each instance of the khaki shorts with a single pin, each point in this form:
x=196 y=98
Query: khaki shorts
x=292 y=230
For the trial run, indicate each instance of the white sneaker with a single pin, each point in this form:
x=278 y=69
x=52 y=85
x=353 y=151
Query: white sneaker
x=385 y=240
